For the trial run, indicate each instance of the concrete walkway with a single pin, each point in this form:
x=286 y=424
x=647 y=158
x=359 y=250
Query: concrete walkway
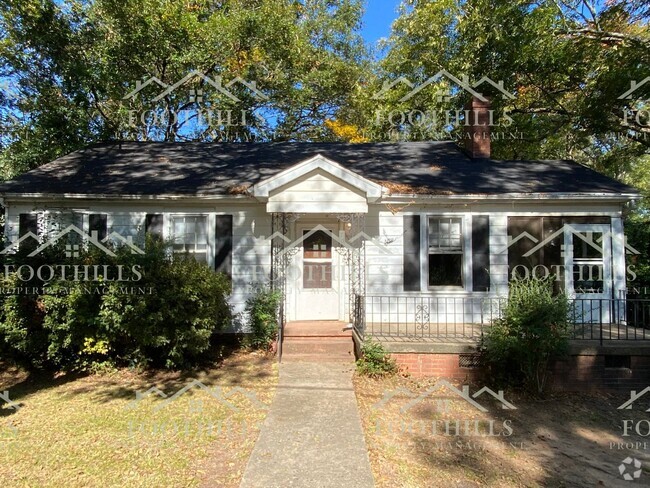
x=312 y=436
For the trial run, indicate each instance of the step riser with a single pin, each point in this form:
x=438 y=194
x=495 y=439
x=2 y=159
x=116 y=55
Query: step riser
x=316 y=359
x=304 y=347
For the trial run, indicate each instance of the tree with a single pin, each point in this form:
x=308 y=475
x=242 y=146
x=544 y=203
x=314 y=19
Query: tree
x=259 y=70
x=567 y=63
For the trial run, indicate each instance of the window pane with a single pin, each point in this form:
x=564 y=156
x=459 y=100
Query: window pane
x=179 y=227
x=317 y=275
x=445 y=233
x=201 y=257
x=588 y=278
x=318 y=245
x=201 y=227
x=588 y=245
x=445 y=270
x=190 y=235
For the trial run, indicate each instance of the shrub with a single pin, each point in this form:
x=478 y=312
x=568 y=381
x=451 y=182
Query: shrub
x=375 y=360
x=262 y=309
x=533 y=328
x=166 y=316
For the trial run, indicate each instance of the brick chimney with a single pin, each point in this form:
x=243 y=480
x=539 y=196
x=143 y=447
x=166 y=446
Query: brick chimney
x=477 y=128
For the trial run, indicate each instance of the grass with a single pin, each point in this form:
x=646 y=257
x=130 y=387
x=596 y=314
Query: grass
x=565 y=440
x=90 y=431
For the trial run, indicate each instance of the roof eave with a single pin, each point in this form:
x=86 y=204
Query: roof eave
x=621 y=197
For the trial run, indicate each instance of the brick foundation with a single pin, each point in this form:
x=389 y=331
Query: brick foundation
x=436 y=365
x=575 y=373
x=589 y=373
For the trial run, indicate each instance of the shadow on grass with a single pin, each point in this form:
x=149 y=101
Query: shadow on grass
x=231 y=366
x=561 y=441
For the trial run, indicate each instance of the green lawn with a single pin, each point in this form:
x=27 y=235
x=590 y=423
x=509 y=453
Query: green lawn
x=90 y=431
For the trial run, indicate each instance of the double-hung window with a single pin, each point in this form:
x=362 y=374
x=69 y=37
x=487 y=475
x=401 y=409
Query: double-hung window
x=190 y=235
x=445 y=251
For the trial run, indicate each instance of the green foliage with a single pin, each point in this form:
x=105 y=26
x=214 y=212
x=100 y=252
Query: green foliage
x=375 y=360
x=566 y=66
x=533 y=329
x=164 y=310
x=70 y=64
x=262 y=310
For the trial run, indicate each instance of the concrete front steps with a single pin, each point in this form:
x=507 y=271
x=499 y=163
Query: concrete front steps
x=317 y=341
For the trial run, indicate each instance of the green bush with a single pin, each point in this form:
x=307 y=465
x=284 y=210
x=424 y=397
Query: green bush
x=375 y=360
x=532 y=329
x=167 y=315
x=262 y=310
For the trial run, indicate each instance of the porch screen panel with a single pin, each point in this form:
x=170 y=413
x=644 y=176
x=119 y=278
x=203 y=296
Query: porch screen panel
x=412 y=268
x=546 y=255
x=481 y=253
x=223 y=244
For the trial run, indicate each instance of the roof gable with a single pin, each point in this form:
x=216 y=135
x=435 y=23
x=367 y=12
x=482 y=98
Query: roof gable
x=319 y=162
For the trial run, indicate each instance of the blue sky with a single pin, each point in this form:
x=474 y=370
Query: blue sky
x=378 y=18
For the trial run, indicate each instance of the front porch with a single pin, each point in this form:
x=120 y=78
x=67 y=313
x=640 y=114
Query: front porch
x=464 y=320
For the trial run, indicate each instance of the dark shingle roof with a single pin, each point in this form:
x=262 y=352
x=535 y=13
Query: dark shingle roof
x=152 y=168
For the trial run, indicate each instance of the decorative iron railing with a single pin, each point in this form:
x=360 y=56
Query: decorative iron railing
x=453 y=317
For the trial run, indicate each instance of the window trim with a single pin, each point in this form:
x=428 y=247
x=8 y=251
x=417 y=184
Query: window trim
x=466 y=253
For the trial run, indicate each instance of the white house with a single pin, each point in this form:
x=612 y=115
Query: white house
x=417 y=234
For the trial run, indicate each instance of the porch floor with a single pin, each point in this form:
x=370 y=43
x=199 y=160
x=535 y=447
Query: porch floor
x=471 y=333
x=317 y=328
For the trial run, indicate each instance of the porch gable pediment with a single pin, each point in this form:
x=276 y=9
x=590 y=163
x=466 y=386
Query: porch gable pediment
x=316 y=185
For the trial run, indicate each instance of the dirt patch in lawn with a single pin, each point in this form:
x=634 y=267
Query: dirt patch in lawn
x=134 y=429
x=418 y=435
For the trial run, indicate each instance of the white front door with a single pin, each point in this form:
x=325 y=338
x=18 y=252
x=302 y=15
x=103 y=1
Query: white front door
x=317 y=281
x=588 y=276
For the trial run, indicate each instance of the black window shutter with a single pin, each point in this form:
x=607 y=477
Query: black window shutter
x=481 y=252
x=223 y=244
x=412 y=267
x=27 y=223
x=99 y=223
x=153 y=224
